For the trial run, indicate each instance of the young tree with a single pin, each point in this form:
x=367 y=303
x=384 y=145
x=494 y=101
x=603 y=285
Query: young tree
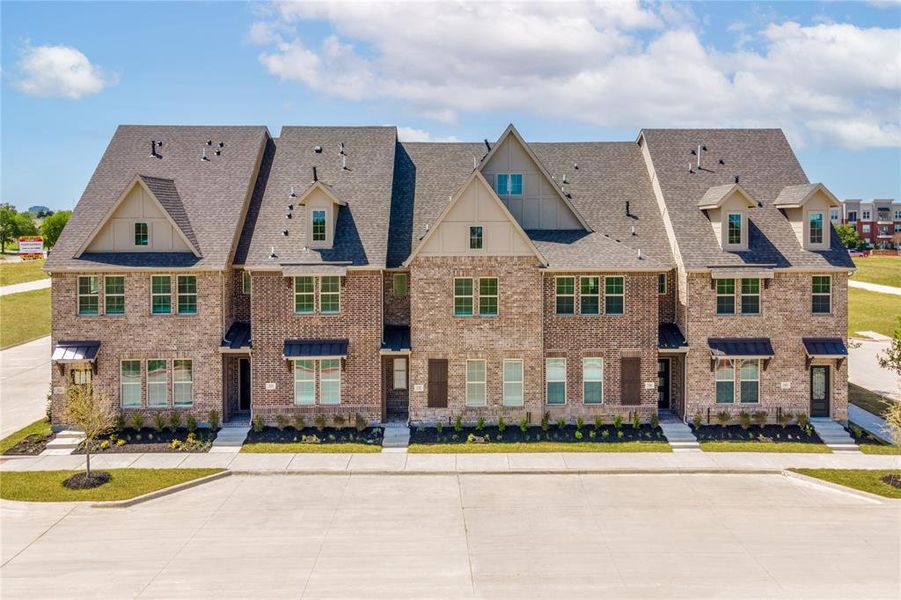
x=849 y=236
x=891 y=358
x=53 y=226
x=94 y=415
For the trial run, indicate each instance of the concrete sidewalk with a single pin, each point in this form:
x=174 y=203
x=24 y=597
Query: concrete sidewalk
x=24 y=383
x=552 y=462
x=28 y=286
x=875 y=287
x=864 y=369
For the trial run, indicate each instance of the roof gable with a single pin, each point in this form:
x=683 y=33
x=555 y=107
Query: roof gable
x=796 y=196
x=719 y=195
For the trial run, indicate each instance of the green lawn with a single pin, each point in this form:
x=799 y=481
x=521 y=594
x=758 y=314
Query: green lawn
x=867 y=400
x=527 y=447
x=859 y=479
x=301 y=448
x=40 y=427
x=47 y=486
x=781 y=447
x=875 y=449
x=25 y=317
x=884 y=270
x=871 y=311
x=20 y=272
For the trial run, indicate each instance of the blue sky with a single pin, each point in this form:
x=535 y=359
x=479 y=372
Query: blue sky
x=829 y=74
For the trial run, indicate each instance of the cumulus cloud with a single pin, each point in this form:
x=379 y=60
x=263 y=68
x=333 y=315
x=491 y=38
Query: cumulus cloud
x=411 y=134
x=60 y=71
x=616 y=64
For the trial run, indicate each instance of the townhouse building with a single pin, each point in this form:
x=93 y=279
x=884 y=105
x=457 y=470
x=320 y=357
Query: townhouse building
x=878 y=222
x=339 y=271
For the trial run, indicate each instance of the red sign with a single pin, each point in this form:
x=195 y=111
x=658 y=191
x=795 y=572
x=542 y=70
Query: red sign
x=31 y=247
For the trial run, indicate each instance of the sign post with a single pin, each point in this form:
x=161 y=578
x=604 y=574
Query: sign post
x=31 y=247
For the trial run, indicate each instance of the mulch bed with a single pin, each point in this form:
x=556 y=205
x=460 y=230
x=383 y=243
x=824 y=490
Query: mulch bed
x=33 y=445
x=756 y=433
x=328 y=435
x=81 y=481
x=893 y=480
x=513 y=434
x=151 y=440
x=864 y=438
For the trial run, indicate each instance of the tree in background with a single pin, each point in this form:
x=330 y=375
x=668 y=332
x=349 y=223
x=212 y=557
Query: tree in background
x=849 y=236
x=40 y=211
x=26 y=223
x=53 y=226
x=9 y=225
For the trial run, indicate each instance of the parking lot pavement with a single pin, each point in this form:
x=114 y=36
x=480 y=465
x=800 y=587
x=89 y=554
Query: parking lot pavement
x=461 y=536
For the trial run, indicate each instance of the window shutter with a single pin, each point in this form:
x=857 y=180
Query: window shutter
x=437 y=383
x=630 y=380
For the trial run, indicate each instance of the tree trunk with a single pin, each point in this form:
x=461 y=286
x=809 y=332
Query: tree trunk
x=87 y=453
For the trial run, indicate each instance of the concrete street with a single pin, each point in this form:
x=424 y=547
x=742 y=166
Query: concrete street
x=462 y=536
x=864 y=369
x=24 y=383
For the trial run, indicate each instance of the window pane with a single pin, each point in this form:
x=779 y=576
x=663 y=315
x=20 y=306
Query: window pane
x=246 y=282
x=725 y=300
x=750 y=299
x=114 y=295
x=566 y=285
x=318 y=225
x=816 y=228
x=183 y=378
x=88 y=295
x=187 y=294
x=613 y=305
x=157 y=392
x=565 y=301
x=161 y=294
x=734 y=231
x=501 y=184
x=614 y=285
x=488 y=296
x=463 y=297
x=821 y=284
x=141 y=237
x=304 y=382
x=592 y=380
x=400 y=373
x=556 y=393
x=555 y=374
x=513 y=383
x=330 y=381
x=661 y=283
x=590 y=299
x=400 y=284
x=130 y=380
x=475 y=238
x=725 y=286
x=591 y=305
x=750 y=391
x=303 y=295
x=330 y=294
x=725 y=392
x=516 y=184
x=590 y=285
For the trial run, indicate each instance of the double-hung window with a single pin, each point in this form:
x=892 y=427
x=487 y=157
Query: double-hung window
x=750 y=296
x=590 y=298
x=475 y=383
x=661 y=284
x=304 y=382
x=815 y=232
x=142 y=234
x=160 y=294
x=821 y=297
x=463 y=297
x=89 y=295
x=157 y=384
x=750 y=381
x=509 y=184
x=565 y=300
x=318 y=225
x=512 y=382
x=330 y=294
x=725 y=382
x=725 y=296
x=304 y=298
x=399 y=367
x=733 y=229
x=592 y=380
x=555 y=378
x=614 y=295
x=183 y=382
x=187 y=294
x=330 y=381
x=488 y=297
x=114 y=295
x=475 y=237
x=130 y=384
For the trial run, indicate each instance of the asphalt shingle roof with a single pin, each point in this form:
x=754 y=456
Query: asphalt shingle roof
x=167 y=194
x=211 y=193
x=765 y=164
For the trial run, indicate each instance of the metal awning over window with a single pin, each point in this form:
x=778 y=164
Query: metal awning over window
x=237 y=338
x=669 y=337
x=825 y=347
x=315 y=349
x=75 y=351
x=740 y=347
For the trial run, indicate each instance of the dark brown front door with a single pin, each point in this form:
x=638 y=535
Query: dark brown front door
x=243 y=384
x=437 y=383
x=663 y=386
x=630 y=376
x=819 y=391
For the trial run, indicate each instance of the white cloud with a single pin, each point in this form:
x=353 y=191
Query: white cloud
x=616 y=64
x=60 y=71
x=411 y=134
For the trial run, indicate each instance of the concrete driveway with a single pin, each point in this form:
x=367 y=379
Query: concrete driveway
x=462 y=536
x=864 y=369
x=24 y=383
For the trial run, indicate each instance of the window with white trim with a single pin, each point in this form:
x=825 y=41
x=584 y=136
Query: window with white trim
x=475 y=237
x=304 y=382
x=304 y=297
x=513 y=378
x=183 y=382
x=661 y=284
x=750 y=381
x=725 y=296
x=488 y=297
x=81 y=376
x=821 y=295
x=114 y=295
x=89 y=295
x=399 y=367
x=475 y=383
x=330 y=294
x=750 y=296
x=733 y=229
x=555 y=380
x=246 y=282
x=508 y=184
x=615 y=295
x=590 y=297
x=725 y=381
x=593 y=380
x=130 y=384
x=187 y=294
x=565 y=298
x=815 y=228
x=330 y=381
x=865 y=228
x=142 y=234
x=866 y=215
x=160 y=294
x=319 y=218
x=157 y=384
x=833 y=215
x=463 y=297
x=852 y=216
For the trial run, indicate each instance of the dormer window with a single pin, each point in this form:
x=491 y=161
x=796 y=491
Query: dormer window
x=815 y=228
x=733 y=234
x=509 y=184
x=318 y=218
x=475 y=238
x=142 y=234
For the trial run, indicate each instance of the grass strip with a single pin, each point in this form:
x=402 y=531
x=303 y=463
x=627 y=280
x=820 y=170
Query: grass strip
x=21 y=272
x=40 y=427
x=781 y=447
x=25 y=316
x=872 y=311
x=47 y=486
x=865 y=480
x=535 y=447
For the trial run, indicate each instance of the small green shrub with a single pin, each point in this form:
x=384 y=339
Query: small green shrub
x=281 y=421
x=360 y=423
x=523 y=424
x=856 y=430
x=598 y=422
x=339 y=421
x=104 y=445
x=501 y=424
x=561 y=423
x=120 y=442
x=785 y=419
x=174 y=420
x=759 y=417
x=696 y=421
x=578 y=435
x=744 y=419
x=159 y=422
x=320 y=421
x=299 y=422
x=137 y=421
x=605 y=434
x=480 y=424
x=580 y=423
x=592 y=434
x=119 y=422
x=619 y=433
x=636 y=420
x=258 y=423
x=618 y=422
x=213 y=421
x=724 y=416
x=439 y=426
x=803 y=420
x=546 y=421
x=175 y=444
x=191 y=423
x=458 y=423
x=655 y=421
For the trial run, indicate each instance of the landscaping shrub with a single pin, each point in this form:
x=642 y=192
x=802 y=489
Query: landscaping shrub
x=137 y=421
x=561 y=423
x=281 y=421
x=458 y=423
x=759 y=417
x=578 y=434
x=546 y=421
x=785 y=419
x=580 y=422
x=696 y=421
x=174 y=420
x=636 y=421
x=119 y=422
x=439 y=426
x=724 y=416
x=360 y=423
x=523 y=424
x=258 y=423
x=299 y=422
x=744 y=419
x=598 y=422
x=655 y=420
x=803 y=420
x=213 y=420
x=159 y=422
x=191 y=424
x=480 y=424
x=618 y=422
x=320 y=422
x=339 y=421
x=501 y=424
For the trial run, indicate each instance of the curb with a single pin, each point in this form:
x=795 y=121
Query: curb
x=834 y=487
x=308 y=472
x=160 y=493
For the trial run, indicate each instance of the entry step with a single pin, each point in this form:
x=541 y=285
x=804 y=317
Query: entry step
x=834 y=435
x=230 y=438
x=680 y=437
x=64 y=443
x=396 y=435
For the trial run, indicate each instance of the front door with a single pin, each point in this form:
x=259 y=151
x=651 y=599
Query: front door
x=819 y=391
x=244 y=384
x=663 y=385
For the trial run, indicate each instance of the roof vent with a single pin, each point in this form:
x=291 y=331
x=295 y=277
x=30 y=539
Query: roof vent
x=293 y=194
x=317 y=149
x=222 y=144
x=204 y=156
x=736 y=179
x=153 y=146
x=344 y=162
x=287 y=215
x=640 y=257
x=565 y=181
x=341 y=149
x=209 y=142
x=690 y=168
x=290 y=207
x=576 y=166
x=628 y=213
x=633 y=230
x=487 y=145
x=722 y=162
x=272 y=252
x=285 y=232
x=218 y=152
x=315 y=175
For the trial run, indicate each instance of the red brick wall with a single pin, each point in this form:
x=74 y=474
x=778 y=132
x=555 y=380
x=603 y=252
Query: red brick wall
x=666 y=303
x=397 y=308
